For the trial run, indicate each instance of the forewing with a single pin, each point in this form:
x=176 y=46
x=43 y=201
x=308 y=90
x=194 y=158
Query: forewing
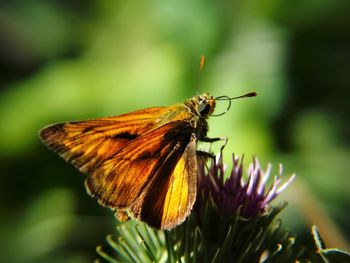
x=126 y=177
x=172 y=194
x=86 y=144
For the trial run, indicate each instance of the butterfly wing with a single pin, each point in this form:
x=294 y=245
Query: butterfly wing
x=172 y=194
x=86 y=144
x=153 y=177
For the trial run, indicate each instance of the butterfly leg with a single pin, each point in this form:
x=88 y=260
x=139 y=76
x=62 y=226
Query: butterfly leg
x=203 y=166
x=224 y=139
x=210 y=140
x=205 y=154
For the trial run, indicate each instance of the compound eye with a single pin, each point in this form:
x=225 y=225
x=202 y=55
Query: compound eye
x=204 y=108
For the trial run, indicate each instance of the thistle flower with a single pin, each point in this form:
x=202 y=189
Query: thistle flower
x=232 y=221
x=235 y=192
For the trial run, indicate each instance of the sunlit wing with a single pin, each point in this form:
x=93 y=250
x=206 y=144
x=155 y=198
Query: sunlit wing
x=164 y=159
x=86 y=144
x=173 y=192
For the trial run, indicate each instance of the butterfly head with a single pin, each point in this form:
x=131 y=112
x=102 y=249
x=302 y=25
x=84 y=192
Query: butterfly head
x=204 y=104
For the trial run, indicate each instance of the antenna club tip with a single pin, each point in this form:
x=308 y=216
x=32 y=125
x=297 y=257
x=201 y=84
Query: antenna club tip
x=252 y=94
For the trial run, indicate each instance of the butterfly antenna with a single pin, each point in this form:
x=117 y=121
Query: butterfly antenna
x=249 y=94
x=229 y=99
x=201 y=68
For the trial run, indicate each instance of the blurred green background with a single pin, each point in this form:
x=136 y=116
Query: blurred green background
x=66 y=60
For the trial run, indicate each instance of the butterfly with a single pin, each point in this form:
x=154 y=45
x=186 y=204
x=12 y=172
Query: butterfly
x=141 y=164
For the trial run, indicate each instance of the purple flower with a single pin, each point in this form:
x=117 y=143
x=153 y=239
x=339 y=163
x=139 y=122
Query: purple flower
x=249 y=194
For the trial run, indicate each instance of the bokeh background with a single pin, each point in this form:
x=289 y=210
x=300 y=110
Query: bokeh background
x=66 y=60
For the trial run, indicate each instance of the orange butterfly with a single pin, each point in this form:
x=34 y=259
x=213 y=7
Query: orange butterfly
x=141 y=164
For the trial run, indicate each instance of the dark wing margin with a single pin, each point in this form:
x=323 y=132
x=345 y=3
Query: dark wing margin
x=153 y=177
x=86 y=144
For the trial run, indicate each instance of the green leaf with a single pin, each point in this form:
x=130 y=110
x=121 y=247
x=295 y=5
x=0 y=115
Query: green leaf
x=332 y=255
x=335 y=255
x=317 y=237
